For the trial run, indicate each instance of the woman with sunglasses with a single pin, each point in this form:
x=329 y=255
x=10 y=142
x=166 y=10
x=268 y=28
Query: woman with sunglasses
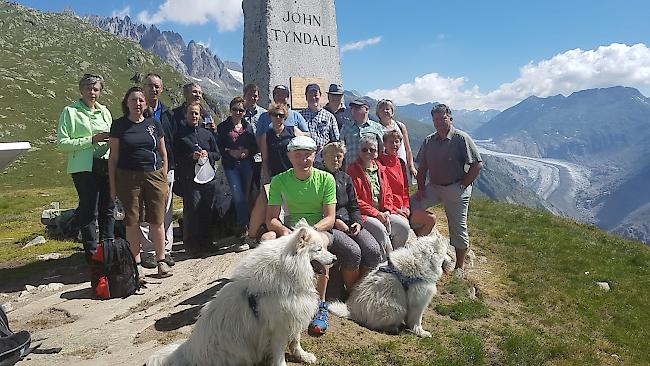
x=82 y=132
x=385 y=112
x=356 y=249
x=236 y=140
x=380 y=217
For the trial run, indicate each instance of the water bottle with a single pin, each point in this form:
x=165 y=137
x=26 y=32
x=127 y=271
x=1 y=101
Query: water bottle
x=118 y=212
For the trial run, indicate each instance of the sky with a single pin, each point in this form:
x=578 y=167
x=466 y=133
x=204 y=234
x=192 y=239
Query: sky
x=467 y=54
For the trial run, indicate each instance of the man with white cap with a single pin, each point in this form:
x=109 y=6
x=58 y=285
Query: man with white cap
x=307 y=193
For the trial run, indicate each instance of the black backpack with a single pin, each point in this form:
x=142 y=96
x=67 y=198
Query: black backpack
x=13 y=346
x=113 y=270
x=60 y=227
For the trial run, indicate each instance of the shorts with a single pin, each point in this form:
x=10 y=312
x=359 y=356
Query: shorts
x=456 y=203
x=132 y=185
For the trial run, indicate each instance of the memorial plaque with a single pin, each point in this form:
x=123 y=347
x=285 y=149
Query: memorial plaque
x=286 y=39
x=297 y=87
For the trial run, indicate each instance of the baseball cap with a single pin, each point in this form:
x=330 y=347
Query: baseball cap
x=301 y=143
x=359 y=102
x=281 y=87
x=311 y=87
x=335 y=89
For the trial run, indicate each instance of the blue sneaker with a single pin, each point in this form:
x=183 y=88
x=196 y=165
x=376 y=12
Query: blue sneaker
x=318 y=325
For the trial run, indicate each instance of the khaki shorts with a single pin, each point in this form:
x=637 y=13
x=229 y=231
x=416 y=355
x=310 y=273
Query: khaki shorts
x=131 y=185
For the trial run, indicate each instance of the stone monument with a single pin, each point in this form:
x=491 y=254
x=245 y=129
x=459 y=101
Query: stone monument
x=286 y=39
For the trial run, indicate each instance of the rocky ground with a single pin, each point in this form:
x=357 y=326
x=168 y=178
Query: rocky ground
x=116 y=331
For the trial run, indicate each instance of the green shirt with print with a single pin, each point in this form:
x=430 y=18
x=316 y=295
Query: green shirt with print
x=304 y=198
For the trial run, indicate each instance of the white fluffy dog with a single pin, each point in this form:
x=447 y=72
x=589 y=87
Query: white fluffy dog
x=270 y=301
x=398 y=291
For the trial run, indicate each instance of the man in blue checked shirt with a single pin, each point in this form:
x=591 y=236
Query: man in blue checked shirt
x=353 y=130
x=321 y=123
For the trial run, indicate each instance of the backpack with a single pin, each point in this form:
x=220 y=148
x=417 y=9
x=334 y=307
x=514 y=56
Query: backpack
x=13 y=346
x=113 y=272
x=59 y=227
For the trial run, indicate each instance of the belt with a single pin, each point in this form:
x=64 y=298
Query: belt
x=448 y=184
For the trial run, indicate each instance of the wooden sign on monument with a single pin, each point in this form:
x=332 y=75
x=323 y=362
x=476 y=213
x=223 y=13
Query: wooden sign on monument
x=297 y=87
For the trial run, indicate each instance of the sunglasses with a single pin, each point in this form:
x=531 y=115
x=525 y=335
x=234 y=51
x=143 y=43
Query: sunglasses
x=279 y=115
x=238 y=110
x=368 y=150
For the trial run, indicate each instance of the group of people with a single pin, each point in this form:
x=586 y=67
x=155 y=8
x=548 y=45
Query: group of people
x=346 y=175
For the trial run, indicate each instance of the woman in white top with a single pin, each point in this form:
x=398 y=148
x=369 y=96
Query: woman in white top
x=385 y=112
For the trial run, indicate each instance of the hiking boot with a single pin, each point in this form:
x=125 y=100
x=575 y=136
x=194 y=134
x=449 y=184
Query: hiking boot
x=169 y=260
x=250 y=241
x=459 y=273
x=141 y=276
x=148 y=261
x=163 y=269
x=318 y=325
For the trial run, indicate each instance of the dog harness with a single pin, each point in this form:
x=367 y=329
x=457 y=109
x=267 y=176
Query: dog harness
x=252 y=303
x=405 y=280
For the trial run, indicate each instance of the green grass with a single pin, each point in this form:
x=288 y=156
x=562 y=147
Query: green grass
x=525 y=347
x=20 y=213
x=554 y=265
x=42 y=57
x=464 y=309
x=464 y=350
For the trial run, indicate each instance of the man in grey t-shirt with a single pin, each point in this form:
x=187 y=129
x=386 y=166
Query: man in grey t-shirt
x=451 y=161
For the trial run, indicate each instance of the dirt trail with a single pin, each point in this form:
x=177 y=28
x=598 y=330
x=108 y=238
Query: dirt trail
x=119 y=331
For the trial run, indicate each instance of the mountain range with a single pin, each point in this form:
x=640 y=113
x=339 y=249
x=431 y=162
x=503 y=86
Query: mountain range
x=42 y=57
x=464 y=119
x=602 y=136
x=221 y=79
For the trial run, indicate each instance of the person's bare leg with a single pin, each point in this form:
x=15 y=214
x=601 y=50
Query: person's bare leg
x=157 y=233
x=422 y=222
x=269 y=235
x=321 y=280
x=350 y=277
x=133 y=237
x=258 y=215
x=460 y=257
x=363 y=271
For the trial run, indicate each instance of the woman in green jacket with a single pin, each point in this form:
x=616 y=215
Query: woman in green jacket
x=83 y=133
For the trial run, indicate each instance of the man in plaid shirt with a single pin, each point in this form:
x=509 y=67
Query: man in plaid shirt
x=321 y=123
x=352 y=131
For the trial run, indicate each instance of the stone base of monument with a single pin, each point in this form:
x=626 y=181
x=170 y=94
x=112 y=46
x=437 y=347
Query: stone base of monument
x=9 y=151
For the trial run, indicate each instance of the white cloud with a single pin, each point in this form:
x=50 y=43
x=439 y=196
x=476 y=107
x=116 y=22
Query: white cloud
x=573 y=70
x=357 y=46
x=227 y=14
x=121 y=13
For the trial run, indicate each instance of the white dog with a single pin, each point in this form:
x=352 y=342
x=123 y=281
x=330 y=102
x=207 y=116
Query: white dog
x=398 y=291
x=270 y=301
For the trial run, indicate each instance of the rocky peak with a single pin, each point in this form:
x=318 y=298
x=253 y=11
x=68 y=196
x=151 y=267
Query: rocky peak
x=191 y=59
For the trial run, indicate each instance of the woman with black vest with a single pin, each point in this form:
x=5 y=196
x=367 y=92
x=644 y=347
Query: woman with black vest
x=196 y=149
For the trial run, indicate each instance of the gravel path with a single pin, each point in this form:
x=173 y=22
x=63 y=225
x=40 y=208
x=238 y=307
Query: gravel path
x=118 y=331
